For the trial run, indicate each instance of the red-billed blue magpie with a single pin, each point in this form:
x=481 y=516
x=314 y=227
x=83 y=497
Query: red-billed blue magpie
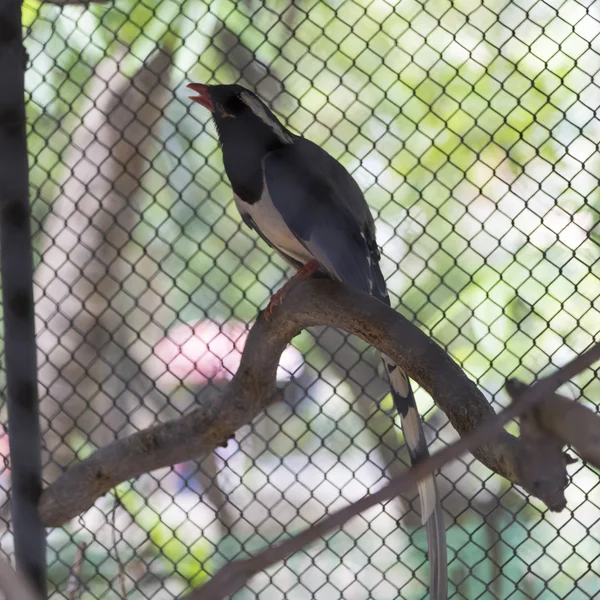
x=307 y=207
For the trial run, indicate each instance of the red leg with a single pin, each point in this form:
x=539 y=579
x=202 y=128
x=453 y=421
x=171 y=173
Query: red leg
x=304 y=272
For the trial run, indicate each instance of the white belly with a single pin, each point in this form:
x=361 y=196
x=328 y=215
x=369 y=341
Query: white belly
x=273 y=227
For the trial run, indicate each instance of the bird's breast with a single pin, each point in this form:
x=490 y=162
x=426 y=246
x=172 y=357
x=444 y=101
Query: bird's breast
x=269 y=221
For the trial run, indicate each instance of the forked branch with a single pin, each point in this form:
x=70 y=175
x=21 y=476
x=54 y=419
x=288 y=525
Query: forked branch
x=252 y=389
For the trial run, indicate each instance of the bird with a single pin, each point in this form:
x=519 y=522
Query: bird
x=308 y=208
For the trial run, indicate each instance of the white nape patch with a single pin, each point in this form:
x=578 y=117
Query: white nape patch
x=257 y=107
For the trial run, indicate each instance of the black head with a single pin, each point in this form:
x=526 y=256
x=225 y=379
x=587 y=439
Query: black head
x=239 y=113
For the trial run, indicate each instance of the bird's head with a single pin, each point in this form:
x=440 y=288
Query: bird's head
x=238 y=112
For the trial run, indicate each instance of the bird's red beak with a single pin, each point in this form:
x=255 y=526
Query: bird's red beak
x=203 y=96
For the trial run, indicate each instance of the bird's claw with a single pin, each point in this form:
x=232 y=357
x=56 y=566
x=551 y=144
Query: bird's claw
x=268 y=312
x=276 y=300
x=305 y=272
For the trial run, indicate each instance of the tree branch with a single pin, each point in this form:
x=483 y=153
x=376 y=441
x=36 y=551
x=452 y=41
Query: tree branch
x=233 y=576
x=313 y=303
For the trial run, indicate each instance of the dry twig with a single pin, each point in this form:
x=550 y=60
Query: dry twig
x=73 y=589
x=120 y=564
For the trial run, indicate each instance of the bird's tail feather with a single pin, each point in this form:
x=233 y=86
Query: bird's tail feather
x=431 y=508
x=438 y=562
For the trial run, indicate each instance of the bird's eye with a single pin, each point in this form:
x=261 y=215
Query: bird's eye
x=223 y=113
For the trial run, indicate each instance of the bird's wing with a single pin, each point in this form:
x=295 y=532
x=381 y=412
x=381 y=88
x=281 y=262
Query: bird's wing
x=324 y=208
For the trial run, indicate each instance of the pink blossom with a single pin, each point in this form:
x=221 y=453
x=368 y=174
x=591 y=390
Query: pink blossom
x=208 y=352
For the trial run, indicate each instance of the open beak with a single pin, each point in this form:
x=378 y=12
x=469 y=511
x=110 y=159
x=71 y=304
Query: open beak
x=203 y=96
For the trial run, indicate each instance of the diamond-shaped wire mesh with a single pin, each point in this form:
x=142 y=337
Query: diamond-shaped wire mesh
x=472 y=129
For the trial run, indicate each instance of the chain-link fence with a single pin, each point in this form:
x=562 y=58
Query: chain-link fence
x=472 y=129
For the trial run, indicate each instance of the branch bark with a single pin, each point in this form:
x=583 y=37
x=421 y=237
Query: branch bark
x=253 y=388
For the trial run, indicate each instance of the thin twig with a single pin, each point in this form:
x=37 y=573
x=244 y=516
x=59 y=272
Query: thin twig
x=231 y=577
x=74 y=583
x=120 y=565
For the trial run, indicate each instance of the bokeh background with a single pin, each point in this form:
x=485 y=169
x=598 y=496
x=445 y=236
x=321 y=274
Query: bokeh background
x=472 y=128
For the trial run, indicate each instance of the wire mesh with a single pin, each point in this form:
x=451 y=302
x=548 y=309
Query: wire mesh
x=472 y=129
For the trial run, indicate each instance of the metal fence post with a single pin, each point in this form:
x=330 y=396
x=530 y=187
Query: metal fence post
x=17 y=298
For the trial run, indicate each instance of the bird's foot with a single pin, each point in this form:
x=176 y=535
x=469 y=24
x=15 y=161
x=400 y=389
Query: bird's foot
x=276 y=300
x=304 y=272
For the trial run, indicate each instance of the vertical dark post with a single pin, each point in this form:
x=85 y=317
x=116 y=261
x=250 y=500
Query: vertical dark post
x=16 y=269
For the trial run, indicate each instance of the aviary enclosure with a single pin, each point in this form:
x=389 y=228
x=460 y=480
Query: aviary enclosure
x=472 y=128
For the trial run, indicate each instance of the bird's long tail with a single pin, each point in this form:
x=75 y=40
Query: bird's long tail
x=431 y=508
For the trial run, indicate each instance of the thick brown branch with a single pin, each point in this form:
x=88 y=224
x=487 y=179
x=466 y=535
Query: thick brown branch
x=253 y=388
x=233 y=576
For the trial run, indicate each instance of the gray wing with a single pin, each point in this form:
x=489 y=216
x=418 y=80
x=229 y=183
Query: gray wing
x=324 y=208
